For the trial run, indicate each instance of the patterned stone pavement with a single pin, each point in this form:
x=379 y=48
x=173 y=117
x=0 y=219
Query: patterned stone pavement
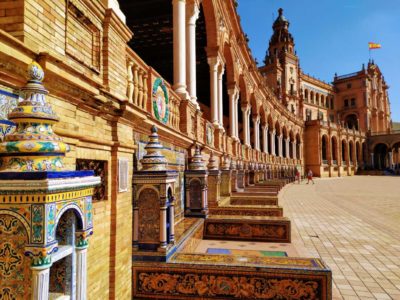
x=353 y=224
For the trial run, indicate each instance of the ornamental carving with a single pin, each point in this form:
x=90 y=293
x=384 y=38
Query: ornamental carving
x=100 y=169
x=245 y=230
x=227 y=285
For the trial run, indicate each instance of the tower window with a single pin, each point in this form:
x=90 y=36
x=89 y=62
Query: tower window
x=349 y=85
x=353 y=102
x=346 y=102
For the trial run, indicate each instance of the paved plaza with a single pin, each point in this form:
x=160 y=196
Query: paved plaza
x=353 y=224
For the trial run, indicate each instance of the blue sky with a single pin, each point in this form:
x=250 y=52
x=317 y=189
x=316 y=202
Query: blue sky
x=332 y=35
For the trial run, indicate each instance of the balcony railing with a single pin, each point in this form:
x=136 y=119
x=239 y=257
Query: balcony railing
x=140 y=79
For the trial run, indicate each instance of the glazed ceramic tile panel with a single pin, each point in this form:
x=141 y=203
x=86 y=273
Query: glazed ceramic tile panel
x=8 y=101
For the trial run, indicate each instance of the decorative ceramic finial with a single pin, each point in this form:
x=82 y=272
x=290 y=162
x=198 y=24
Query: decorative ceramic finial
x=212 y=162
x=33 y=146
x=197 y=162
x=153 y=160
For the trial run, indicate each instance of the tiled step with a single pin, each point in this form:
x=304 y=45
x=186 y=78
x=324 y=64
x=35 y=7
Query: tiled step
x=211 y=276
x=248 y=210
x=246 y=228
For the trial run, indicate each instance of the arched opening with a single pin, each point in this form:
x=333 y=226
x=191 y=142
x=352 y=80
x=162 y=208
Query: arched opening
x=351 y=121
x=202 y=66
x=364 y=153
x=63 y=270
x=298 y=143
x=344 y=153
x=381 y=156
x=277 y=139
x=358 y=153
x=242 y=104
x=324 y=149
x=396 y=157
x=270 y=130
x=334 y=149
x=351 y=153
x=284 y=143
x=292 y=145
x=152 y=24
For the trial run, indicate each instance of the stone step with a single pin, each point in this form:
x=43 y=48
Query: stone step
x=254 y=200
x=248 y=210
x=248 y=228
x=272 y=192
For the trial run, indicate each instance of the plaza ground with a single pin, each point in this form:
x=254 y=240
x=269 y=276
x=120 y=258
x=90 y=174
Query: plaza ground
x=353 y=224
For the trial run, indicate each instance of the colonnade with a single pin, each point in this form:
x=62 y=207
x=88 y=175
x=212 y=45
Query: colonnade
x=185 y=15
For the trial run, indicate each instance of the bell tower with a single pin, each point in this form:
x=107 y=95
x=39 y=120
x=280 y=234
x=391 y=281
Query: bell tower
x=281 y=69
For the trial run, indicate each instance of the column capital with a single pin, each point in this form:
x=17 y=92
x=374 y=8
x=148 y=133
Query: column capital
x=221 y=70
x=192 y=11
x=245 y=108
x=233 y=91
x=256 y=118
x=214 y=62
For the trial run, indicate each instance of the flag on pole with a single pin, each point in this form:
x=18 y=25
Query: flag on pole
x=372 y=45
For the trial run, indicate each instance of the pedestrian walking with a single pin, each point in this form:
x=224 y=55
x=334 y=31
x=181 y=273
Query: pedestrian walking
x=309 y=176
x=298 y=176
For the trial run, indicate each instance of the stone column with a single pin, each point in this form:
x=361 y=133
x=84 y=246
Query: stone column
x=232 y=112
x=390 y=159
x=221 y=71
x=294 y=150
x=192 y=14
x=204 y=202
x=280 y=144
x=172 y=222
x=246 y=125
x=179 y=45
x=300 y=150
x=214 y=62
x=256 y=134
x=40 y=282
x=264 y=129
x=81 y=273
x=287 y=148
x=163 y=223
x=272 y=139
